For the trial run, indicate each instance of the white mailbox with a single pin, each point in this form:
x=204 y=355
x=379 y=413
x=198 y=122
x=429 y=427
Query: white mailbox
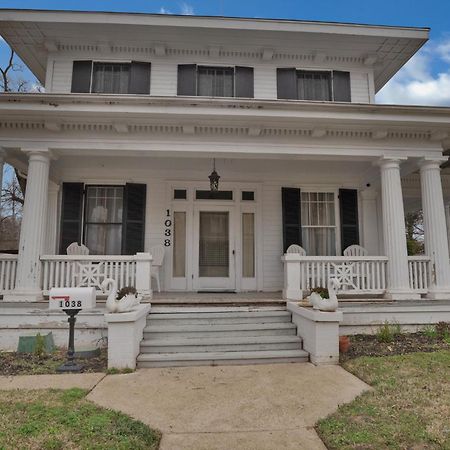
x=72 y=298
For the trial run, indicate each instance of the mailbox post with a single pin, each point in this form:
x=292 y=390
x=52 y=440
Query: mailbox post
x=71 y=301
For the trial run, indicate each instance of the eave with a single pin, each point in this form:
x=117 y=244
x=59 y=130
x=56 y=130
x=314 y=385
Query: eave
x=35 y=34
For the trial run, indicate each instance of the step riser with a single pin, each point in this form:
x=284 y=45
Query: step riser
x=217 y=334
x=229 y=362
x=225 y=321
x=219 y=348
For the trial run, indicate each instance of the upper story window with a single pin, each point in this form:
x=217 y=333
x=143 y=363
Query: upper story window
x=214 y=81
x=313 y=85
x=111 y=77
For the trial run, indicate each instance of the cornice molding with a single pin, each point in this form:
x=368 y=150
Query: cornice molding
x=322 y=133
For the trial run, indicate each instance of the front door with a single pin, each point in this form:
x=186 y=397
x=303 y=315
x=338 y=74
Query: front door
x=214 y=253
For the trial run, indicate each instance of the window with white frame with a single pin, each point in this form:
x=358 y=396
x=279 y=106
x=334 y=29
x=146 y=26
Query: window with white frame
x=318 y=223
x=103 y=219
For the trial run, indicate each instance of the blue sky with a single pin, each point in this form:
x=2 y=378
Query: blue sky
x=425 y=79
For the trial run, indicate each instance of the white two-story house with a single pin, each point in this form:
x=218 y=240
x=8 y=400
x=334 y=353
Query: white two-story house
x=224 y=141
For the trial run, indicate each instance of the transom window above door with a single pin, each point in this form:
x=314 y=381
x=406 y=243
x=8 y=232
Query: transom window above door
x=215 y=81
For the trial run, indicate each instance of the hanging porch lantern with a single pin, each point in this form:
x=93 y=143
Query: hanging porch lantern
x=214 y=178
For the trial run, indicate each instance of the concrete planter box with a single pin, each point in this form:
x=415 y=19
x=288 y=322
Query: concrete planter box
x=125 y=333
x=319 y=331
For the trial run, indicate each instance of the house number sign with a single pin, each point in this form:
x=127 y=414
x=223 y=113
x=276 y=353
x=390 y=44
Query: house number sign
x=167 y=229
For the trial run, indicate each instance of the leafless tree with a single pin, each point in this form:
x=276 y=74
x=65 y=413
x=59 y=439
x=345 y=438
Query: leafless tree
x=11 y=79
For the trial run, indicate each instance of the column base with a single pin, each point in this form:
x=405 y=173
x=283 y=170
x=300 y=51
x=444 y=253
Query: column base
x=438 y=295
x=402 y=295
x=23 y=296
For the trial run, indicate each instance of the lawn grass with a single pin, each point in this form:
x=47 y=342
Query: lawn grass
x=55 y=419
x=408 y=408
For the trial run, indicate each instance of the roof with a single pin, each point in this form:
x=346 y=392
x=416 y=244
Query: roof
x=33 y=33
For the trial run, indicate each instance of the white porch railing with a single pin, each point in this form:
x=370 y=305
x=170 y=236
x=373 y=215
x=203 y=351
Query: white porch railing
x=356 y=274
x=91 y=270
x=419 y=273
x=8 y=268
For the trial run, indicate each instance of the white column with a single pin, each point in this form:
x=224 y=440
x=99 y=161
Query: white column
x=394 y=231
x=51 y=227
x=32 y=231
x=436 y=241
x=2 y=166
x=371 y=237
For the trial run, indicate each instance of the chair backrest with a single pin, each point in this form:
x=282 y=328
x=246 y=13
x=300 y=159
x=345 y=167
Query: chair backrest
x=295 y=248
x=157 y=253
x=75 y=249
x=355 y=250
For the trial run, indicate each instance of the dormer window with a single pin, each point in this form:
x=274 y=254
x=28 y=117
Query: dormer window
x=111 y=77
x=215 y=81
x=313 y=85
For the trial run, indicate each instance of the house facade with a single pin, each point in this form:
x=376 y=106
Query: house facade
x=225 y=141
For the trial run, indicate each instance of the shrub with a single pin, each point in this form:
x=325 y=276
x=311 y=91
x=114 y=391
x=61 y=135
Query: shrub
x=430 y=332
x=387 y=332
x=125 y=291
x=443 y=330
x=323 y=292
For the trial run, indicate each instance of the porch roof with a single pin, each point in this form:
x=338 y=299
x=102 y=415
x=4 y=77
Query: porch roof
x=57 y=108
x=36 y=33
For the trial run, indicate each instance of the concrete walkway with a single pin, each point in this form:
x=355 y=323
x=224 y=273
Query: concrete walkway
x=261 y=407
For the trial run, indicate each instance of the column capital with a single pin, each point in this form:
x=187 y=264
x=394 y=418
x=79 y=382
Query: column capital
x=386 y=162
x=432 y=162
x=43 y=152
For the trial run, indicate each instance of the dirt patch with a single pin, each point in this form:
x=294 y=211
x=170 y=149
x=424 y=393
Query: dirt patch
x=401 y=344
x=12 y=363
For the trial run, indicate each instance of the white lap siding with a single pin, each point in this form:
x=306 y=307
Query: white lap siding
x=272 y=237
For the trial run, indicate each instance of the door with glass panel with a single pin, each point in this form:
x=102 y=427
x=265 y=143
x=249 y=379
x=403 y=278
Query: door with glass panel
x=214 y=253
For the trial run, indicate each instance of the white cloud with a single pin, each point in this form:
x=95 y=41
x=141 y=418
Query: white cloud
x=415 y=84
x=186 y=10
x=163 y=10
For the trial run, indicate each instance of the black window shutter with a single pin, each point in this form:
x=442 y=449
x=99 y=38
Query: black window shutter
x=292 y=224
x=187 y=79
x=139 y=78
x=133 y=228
x=341 y=86
x=287 y=83
x=81 y=76
x=348 y=205
x=244 y=82
x=71 y=215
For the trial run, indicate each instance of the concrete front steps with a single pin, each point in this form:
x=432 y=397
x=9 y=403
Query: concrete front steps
x=194 y=336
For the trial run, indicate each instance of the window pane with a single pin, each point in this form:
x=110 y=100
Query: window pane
x=111 y=78
x=248 y=245
x=104 y=239
x=314 y=85
x=104 y=209
x=179 y=244
x=215 y=81
x=214 y=244
x=104 y=204
x=319 y=241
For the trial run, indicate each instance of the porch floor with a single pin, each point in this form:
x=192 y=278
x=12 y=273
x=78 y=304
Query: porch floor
x=241 y=298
